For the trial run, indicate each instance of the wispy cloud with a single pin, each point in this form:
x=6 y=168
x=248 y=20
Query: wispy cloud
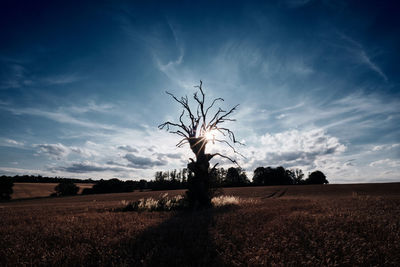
x=385 y=163
x=12 y=142
x=59 y=116
x=61 y=79
x=19 y=74
x=361 y=55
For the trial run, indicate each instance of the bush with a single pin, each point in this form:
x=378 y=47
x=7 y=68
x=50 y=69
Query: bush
x=6 y=190
x=66 y=189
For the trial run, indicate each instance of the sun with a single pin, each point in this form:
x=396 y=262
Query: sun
x=209 y=135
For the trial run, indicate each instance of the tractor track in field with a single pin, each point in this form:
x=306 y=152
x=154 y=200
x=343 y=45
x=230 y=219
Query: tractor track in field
x=277 y=194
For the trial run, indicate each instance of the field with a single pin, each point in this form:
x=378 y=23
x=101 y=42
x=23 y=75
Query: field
x=32 y=190
x=293 y=225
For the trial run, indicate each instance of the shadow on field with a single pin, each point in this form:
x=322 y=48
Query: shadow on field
x=183 y=240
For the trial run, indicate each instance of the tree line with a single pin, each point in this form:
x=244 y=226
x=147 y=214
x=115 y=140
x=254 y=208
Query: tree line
x=169 y=180
x=44 y=179
x=231 y=177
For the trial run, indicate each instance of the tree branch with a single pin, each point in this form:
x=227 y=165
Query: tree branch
x=226 y=142
x=225 y=157
x=231 y=135
x=198 y=126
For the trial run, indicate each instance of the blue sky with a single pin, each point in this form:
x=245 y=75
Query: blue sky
x=82 y=86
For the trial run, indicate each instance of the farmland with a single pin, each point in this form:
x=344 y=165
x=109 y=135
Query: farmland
x=282 y=225
x=33 y=190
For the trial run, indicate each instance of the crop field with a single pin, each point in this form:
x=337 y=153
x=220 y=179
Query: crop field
x=32 y=190
x=278 y=225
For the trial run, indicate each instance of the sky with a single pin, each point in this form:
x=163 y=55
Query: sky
x=82 y=85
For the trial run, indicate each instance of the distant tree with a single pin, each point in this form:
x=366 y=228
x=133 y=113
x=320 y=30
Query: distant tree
x=243 y=178
x=236 y=177
x=232 y=176
x=317 y=177
x=6 y=185
x=298 y=176
x=259 y=175
x=111 y=186
x=272 y=176
x=66 y=188
x=142 y=185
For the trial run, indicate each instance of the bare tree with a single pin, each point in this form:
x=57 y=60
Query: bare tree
x=200 y=129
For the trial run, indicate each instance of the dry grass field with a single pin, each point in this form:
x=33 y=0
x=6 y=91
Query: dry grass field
x=294 y=225
x=32 y=190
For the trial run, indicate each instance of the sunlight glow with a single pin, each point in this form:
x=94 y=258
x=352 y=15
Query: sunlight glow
x=209 y=135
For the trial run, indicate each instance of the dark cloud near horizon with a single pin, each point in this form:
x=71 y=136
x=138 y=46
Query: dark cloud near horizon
x=161 y=156
x=128 y=148
x=143 y=162
x=86 y=167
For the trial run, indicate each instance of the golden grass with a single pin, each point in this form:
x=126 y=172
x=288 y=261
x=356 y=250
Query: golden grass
x=306 y=225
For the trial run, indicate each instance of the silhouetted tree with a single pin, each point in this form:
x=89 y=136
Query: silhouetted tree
x=232 y=176
x=6 y=185
x=272 y=176
x=298 y=176
x=142 y=184
x=258 y=176
x=66 y=188
x=197 y=132
x=112 y=186
x=317 y=177
x=236 y=177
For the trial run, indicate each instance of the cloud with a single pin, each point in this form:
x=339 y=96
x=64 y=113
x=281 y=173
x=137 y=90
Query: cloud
x=90 y=107
x=128 y=148
x=59 y=151
x=19 y=75
x=83 y=151
x=143 y=162
x=15 y=76
x=385 y=163
x=86 y=167
x=63 y=115
x=168 y=155
x=12 y=142
x=385 y=147
x=56 y=151
x=295 y=148
x=361 y=55
x=364 y=58
x=61 y=79
x=281 y=116
x=307 y=141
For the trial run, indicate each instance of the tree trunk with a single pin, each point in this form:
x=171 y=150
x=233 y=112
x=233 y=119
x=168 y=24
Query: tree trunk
x=199 y=186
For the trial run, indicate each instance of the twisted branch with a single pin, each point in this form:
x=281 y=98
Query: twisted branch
x=190 y=131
